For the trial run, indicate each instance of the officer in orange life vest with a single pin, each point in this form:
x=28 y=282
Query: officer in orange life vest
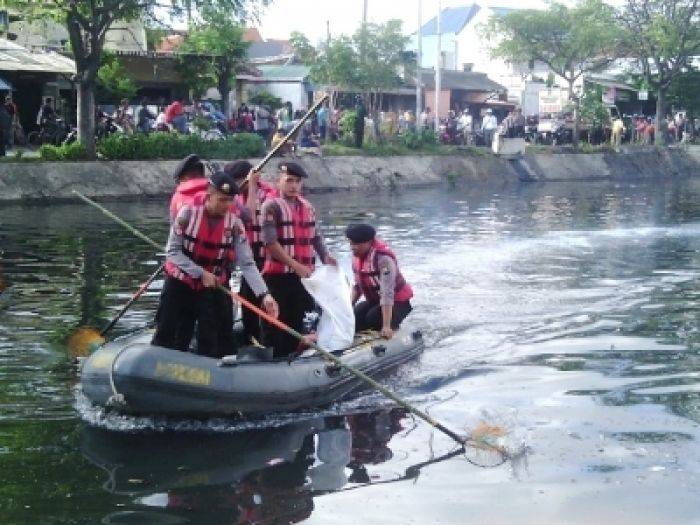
x=252 y=193
x=205 y=240
x=291 y=237
x=378 y=278
x=190 y=179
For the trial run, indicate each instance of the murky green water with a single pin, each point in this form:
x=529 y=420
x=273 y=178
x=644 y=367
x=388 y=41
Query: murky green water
x=568 y=314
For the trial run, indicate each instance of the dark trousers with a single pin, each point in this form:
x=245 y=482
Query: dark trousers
x=359 y=136
x=368 y=315
x=181 y=307
x=251 y=320
x=294 y=301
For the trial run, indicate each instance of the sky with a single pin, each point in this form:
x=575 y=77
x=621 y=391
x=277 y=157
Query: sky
x=310 y=16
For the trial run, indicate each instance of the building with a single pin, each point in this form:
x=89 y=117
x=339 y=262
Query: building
x=465 y=90
x=288 y=82
x=47 y=34
x=31 y=76
x=465 y=49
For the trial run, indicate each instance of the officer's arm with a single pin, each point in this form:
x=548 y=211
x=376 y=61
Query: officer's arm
x=174 y=251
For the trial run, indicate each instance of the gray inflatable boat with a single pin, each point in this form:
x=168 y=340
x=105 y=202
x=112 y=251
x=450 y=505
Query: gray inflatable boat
x=134 y=377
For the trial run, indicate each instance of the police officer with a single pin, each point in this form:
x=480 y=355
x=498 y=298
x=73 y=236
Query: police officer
x=205 y=240
x=377 y=278
x=291 y=241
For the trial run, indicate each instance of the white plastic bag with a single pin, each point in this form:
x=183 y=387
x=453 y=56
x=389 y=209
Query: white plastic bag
x=331 y=290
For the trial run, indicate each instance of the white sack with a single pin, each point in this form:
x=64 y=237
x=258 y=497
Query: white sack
x=331 y=290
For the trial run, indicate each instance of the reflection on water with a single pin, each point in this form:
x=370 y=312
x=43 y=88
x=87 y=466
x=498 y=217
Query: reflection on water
x=254 y=476
x=567 y=314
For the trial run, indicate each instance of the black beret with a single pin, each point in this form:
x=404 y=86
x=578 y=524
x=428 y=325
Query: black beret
x=238 y=169
x=293 y=168
x=189 y=163
x=223 y=182
x=360 y=232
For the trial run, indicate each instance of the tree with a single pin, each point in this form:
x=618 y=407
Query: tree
x=113 y=82
x=684 y=93
x=570 y=41
x=369 y=62
x=214 y=51
x=87 y=22
x=663 y=35
x=265 y=98
x=593 y=112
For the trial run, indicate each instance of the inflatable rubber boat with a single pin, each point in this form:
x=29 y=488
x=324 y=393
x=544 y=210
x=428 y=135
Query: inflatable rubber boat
x=133 y=376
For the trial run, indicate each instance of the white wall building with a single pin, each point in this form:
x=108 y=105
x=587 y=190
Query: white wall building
x=465 y=48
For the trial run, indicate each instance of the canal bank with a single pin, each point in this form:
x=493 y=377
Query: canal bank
x=22 y=181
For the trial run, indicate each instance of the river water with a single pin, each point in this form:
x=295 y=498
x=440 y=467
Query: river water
x=565 y=315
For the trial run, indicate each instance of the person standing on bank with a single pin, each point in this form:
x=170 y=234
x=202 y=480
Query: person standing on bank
x=290 y=238
x=378 y=278
x=205 y=241
x=252 y=193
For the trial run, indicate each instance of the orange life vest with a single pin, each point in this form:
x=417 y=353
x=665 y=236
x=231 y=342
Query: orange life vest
x=295 y=233
x=209 y=243
x=366 y=270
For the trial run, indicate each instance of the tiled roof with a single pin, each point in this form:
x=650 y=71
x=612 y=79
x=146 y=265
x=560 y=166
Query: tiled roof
x=466 y=80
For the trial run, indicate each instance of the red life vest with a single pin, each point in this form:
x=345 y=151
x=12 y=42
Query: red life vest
x=253 y=228
x=366 y=271
x=185 y=194
x=295 y=233
x=208 y=243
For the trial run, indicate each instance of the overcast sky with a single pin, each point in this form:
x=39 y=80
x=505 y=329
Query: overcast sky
x=310 y=16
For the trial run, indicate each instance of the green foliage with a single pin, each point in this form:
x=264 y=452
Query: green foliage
x=113 y=82
x=684 y=92
x=663 y=35
x=593 y=111
x=213 y=53
x=570 y=41
x=265 y=98
x=368 y=61
x=72 y=151
x=302 y=47
x=175 y=146
x=203 y=123
x=346 y=124
x=418 y=139
x=154 y=35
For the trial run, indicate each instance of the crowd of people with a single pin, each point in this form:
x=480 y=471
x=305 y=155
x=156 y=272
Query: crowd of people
x=467 y=126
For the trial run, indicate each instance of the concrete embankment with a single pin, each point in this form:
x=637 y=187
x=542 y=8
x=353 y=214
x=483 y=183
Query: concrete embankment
x=56 y=180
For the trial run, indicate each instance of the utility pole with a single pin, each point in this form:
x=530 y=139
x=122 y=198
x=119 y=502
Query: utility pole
x=419 y=59
x=438 y=66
